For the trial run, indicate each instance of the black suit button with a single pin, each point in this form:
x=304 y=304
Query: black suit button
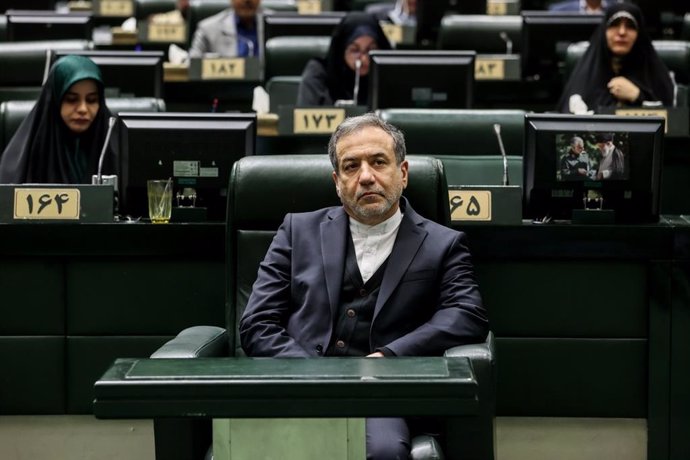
x=340 y=344
x=362 y=292
x=350 y=313
x=319 y=349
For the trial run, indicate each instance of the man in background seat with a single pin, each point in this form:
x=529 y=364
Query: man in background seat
x=234 y=32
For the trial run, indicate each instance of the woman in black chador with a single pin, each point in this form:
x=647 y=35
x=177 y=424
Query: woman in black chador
x=324 y=81
x=620 y=67
x=61 y=139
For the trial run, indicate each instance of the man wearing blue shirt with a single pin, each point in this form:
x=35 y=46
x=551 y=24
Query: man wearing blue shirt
x=234 y=32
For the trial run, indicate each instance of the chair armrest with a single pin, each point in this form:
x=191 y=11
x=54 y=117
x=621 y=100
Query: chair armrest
x=196 y=342
x=476 y=439
x=481 y=355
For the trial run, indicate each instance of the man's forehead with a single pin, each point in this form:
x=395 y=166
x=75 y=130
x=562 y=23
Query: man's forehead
x=366 y=138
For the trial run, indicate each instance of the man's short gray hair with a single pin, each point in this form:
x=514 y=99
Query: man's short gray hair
x=353 y=124
x=577 y=140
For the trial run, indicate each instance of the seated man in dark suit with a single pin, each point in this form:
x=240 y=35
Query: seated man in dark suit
x=368 y=278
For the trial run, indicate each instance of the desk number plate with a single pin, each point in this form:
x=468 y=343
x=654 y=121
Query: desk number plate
x=474 y=205
x=645 y=113
x=222 y=69
x=309 y=6
x=496 y=8
x=44 y=204
x=167 y=33
x=489 y=69
x=394 y=32
x=117 y=8
x=317 y=121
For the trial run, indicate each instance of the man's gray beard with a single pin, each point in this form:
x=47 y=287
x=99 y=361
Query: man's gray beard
x=390 y=200
x=608 y=149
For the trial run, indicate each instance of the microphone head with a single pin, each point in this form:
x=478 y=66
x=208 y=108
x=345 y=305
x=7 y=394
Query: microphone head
x=497 y=128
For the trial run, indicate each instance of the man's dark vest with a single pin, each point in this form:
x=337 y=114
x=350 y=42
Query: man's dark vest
x=356 y=309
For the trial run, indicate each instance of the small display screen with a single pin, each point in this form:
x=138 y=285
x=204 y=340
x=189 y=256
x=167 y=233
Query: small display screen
x=592 y=156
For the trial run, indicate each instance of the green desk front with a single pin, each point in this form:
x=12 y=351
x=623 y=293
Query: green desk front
x=582 y=314
x=282 y=393
x=75 y=297
x=267 y=387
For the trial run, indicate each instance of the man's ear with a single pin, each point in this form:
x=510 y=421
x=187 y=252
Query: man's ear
x=335 y=181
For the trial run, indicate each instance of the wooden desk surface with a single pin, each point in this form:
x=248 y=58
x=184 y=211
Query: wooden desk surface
x=266 y=387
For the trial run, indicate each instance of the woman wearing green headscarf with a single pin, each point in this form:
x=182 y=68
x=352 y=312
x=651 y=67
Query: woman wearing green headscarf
x=61 y=139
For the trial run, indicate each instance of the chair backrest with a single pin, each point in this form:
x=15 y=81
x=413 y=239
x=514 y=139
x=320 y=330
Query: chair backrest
x=12 y=113
x=263 y=189
x=279 y=24
x=361 y=5
x=145 y=8
x=480 y=32
x=458 y=131
x=23 y=63
x=674 y=53
x=685 y=27
x=282 y=91
x=287 y=55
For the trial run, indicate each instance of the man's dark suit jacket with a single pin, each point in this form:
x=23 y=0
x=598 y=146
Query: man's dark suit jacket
x=428 y=301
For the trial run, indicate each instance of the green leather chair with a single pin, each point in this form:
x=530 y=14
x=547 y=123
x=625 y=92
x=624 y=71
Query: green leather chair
x=12 y=113
x=23 y=63
x=145 y=8
x=361 y=5
x=282 y=91
x=303 y=183
x=458 y=131
x=685 y=27
x=480 y=32
x=287 y=55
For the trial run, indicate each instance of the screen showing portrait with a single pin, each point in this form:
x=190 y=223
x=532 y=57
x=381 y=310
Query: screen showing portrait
x=614 y=162
x=590 y=156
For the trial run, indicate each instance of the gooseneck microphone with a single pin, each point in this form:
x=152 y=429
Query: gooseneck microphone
x=497 y=130
x=46 y=68
x=355 y=92
x=111 y=125
x=672 y=74
x=509 y=43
